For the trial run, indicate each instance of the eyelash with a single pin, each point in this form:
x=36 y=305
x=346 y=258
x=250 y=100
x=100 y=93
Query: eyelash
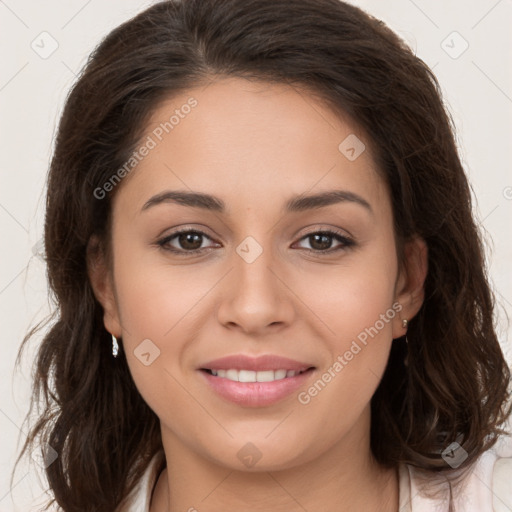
x=346 y=242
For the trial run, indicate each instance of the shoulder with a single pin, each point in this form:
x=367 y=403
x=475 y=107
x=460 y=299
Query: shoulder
x=139 y=498
x=486 y=486
x=502 y=477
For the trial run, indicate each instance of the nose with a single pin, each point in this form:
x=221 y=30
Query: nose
x=256 y=299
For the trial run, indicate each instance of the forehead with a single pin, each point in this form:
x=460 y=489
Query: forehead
x=254 y=143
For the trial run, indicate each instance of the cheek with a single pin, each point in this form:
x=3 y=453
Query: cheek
x=350 y=303
x=356 y=305
x=353 y=299
x=154 y=297
x=157 y=306
x=358 y=354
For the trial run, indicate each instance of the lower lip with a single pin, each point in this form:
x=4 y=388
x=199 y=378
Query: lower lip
x=256 y=394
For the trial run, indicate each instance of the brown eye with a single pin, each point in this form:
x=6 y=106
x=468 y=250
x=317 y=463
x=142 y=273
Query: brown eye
x=190 y=240
x=322 y=241
x=185 y=241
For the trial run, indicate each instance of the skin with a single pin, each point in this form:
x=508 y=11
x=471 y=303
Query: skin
x=255 y=145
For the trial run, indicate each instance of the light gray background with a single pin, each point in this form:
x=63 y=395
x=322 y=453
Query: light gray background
x=477 y=85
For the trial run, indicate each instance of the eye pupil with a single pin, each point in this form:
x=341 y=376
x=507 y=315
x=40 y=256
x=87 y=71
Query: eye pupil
x=321 y=241
x=190 y=240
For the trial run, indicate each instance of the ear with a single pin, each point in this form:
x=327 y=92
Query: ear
x=409 y=289
x=100 y=277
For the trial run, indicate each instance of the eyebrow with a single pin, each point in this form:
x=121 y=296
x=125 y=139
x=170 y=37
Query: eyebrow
x=298 y=203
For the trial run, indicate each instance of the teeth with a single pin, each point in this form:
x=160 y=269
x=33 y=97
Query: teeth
x=252 y=376
x=281 y=374
x=244 y=375
x=231 y=374
x=267 y=376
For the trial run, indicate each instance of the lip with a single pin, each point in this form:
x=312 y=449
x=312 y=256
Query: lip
x=256 y=394
x=261 y=363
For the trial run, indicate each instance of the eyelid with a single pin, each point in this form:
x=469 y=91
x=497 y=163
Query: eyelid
x=322 y=228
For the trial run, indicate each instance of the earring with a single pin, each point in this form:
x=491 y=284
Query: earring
x=405 y=323
x=115 y=346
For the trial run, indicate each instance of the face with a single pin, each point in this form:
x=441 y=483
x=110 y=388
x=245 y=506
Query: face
x=258 y=273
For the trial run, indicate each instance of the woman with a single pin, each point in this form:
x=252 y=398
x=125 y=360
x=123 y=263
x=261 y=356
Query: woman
x=271 y=290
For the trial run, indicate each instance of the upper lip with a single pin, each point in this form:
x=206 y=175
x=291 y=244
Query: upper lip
x=261 y=363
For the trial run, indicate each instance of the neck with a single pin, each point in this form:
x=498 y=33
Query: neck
x=343 y=478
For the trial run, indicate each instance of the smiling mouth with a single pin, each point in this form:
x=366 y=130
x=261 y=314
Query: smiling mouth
x=255 y=376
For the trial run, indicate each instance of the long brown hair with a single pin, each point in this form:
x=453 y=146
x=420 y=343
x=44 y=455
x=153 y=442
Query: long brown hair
x=455 y=386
